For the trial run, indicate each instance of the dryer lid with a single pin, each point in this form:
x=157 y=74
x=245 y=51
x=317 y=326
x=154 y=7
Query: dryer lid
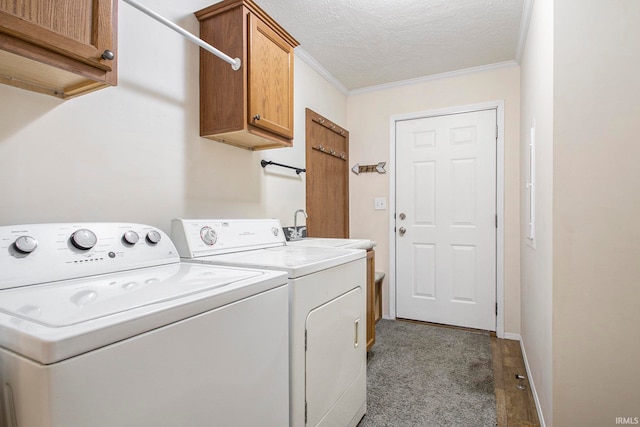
x=297 y=261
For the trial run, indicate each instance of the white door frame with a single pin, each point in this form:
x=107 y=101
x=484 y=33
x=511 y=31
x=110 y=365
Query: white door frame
x=499 y=106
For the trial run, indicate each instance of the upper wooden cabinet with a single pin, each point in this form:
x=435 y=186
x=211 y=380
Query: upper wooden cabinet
x=62 y=48
x=252 y=107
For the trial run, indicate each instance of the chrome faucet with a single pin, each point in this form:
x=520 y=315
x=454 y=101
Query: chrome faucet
x=295 y=234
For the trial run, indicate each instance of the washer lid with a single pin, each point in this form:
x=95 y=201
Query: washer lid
x=76 y=301
x=297 y=261
x=57 y=320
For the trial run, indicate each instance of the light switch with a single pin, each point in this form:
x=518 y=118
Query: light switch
x=380 y=203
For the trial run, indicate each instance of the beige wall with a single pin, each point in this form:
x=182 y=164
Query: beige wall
x=596 y=204
x=537 y=257
x=368 y=123
x=133 y=153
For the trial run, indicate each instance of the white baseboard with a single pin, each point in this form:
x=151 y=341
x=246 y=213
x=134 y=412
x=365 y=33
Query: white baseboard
x=533 y=387
x=512 y=336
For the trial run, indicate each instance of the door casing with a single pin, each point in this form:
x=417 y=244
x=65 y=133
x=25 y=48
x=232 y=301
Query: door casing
x=499 y=106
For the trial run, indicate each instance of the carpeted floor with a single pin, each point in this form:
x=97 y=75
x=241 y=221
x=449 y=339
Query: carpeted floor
x=422 y=376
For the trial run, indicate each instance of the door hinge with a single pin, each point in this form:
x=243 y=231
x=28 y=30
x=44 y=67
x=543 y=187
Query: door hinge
x=496 y=220
x=496 y=132
x=305 y=411
x=305 y=340
x=496 y=309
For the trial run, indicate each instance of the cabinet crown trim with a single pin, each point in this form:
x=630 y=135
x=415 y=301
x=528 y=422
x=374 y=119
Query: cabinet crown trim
x=254 y=8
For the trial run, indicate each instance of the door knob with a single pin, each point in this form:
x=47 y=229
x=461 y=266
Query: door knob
x=402 y=230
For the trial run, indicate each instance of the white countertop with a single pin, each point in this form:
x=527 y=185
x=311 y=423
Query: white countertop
x=334 y=243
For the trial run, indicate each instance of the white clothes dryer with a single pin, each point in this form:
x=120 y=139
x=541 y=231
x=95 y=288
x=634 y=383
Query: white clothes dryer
x=101 y=325
x=327 y=293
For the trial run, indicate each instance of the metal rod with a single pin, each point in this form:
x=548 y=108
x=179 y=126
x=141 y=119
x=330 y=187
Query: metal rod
x=265 y=163
x=235 y=63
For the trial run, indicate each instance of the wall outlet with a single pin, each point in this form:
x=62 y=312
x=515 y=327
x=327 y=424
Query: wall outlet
x=380 y=203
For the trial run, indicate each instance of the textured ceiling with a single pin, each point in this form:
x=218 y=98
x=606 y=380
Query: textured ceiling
x=364 y=43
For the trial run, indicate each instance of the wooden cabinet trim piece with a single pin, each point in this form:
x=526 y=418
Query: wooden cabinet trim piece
x=55 y=42
x=258 y=139
x=371 y=300
x=251 y=7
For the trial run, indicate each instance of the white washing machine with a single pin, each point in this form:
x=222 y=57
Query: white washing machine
x=327 y=288
x=102 y=325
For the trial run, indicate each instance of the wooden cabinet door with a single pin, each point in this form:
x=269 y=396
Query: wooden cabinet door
x=270 y=68
x=78 y=29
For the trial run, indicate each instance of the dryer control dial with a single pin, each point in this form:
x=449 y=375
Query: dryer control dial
x=153 y=237
x=25 y=244
x=208 y=235
x=84 y=239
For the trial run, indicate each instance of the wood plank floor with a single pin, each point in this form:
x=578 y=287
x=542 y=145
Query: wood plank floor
x=515 y=407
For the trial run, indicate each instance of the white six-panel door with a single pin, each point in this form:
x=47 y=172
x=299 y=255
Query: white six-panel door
x=445 y=219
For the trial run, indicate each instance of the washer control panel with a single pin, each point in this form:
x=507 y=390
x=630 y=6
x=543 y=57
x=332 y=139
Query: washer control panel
x=38 y=253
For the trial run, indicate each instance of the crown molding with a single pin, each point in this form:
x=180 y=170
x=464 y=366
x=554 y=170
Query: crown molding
x=449 y=74
x=315 y=65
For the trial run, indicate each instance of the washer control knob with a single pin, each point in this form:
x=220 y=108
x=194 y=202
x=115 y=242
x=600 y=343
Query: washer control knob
x=153 y=237
x=84 y=239
x=130 y=237
x=25 y=244
x=208 y=235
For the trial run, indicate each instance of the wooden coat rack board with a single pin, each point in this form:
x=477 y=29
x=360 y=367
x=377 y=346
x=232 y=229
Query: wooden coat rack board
x=327 y=179
x=334 y=128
